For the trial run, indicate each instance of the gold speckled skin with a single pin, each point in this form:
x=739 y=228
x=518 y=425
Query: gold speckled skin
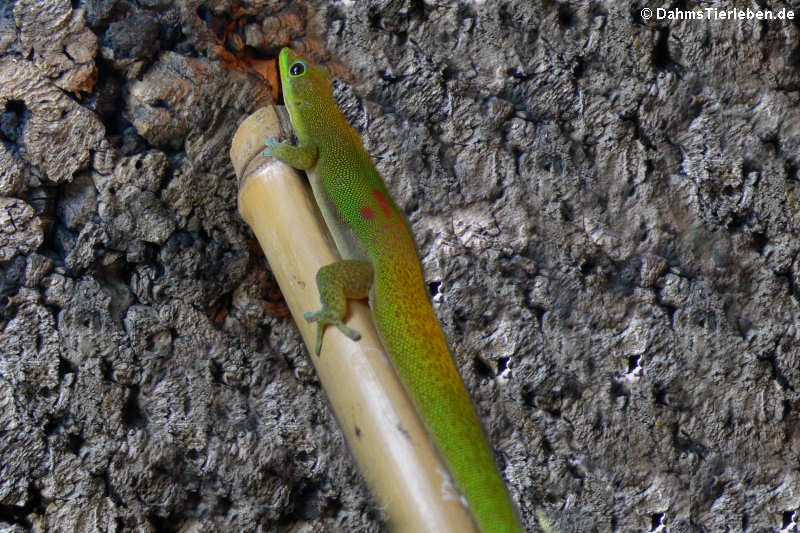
x=381 y=260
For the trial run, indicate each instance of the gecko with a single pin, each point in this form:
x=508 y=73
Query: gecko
x=379 y=261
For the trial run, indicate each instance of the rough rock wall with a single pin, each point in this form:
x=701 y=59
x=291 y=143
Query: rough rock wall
x=607 y=208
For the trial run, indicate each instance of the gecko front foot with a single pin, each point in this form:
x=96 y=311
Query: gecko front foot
x=325 y=317
x=270 y=149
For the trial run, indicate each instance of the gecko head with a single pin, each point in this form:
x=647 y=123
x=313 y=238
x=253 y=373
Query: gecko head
x=304 y=83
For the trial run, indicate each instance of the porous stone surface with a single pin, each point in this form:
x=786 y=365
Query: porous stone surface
x=606 y=208
x=62 y=46
x=20 y=228
x=49 y=130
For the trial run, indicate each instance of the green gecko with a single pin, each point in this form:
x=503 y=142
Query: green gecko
x=380 y=261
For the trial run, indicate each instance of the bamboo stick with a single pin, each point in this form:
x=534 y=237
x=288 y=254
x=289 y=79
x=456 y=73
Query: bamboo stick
x=384 y=433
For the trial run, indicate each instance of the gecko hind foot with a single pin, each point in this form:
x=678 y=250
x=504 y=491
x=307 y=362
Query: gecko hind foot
x=325 y=317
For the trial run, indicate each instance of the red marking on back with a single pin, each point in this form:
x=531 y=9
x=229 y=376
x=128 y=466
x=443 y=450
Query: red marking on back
x=367 y=212
x=383 y=203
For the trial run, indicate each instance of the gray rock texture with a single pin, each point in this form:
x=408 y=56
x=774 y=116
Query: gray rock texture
x=607 y=209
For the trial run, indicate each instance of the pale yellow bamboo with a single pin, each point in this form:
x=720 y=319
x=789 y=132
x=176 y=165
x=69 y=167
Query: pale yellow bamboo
x=382 y=429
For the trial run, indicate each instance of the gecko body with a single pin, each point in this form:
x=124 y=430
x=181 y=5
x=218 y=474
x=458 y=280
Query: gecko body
x=380 y=261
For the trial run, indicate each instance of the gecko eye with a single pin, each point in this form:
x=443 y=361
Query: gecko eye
x=297 y=69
